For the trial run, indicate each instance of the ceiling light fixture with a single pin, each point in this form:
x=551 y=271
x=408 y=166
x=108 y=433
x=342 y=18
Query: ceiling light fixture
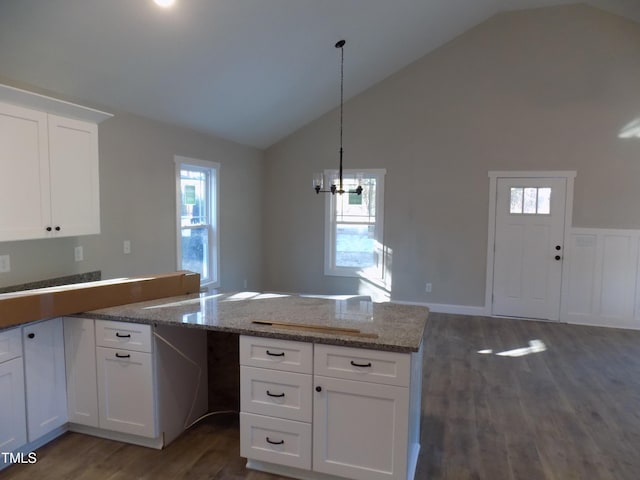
x=164 y=3
x=318 y=178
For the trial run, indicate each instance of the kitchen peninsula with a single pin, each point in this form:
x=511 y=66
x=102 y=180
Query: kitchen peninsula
x=314 y=404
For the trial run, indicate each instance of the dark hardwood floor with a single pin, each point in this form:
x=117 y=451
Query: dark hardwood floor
x=566 y=406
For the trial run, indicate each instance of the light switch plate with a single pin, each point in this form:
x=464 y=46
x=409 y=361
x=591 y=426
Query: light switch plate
x=127 y=247
x=78 y=254
x=5 y=263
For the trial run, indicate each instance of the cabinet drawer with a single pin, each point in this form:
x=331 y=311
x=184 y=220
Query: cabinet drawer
x=277 y=354
x=375 y=366
x=276 y=393
x=123 y=335
x=10 y=344
x=275 y=440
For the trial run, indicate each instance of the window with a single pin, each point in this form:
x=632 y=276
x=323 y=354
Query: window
x=354 y=226
x=197 y=222
x=530 y=201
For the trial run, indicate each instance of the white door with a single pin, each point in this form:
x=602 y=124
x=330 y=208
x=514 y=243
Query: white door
x=45 y=377
x=529 y=233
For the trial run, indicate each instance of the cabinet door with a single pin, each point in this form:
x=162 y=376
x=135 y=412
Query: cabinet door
x=125 y=391
x=13 y=426
x=24 y=181
x=80 y=360
x=45 y=377
x=360 y=429
x=73 y=159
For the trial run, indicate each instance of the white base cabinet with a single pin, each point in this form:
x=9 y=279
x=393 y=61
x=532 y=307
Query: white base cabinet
x=360 y=430
x=80 y=359
x=134 y=382
x=126 y=397
x=364 y=404
x=45 y=380
x=13 y=419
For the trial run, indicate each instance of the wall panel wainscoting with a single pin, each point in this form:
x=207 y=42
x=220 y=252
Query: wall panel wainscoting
x=601 y=272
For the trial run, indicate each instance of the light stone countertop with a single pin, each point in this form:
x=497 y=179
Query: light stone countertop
x=399 y=327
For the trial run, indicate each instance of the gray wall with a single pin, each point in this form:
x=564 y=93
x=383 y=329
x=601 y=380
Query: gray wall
x=137 y=193
x=545 y=89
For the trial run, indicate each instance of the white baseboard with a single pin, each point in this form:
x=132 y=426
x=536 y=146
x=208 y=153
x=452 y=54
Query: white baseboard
x=444 y=308
x=600 y=321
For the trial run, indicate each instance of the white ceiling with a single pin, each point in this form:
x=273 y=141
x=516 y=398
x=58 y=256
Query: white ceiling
x=252 y=71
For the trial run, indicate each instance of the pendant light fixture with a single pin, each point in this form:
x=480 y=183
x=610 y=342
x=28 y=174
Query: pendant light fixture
x=318 y=178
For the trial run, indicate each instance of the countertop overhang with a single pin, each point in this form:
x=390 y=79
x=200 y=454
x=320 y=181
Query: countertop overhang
x=398 y=327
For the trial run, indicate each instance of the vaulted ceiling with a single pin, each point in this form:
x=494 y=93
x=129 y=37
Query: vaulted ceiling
x=252 y=71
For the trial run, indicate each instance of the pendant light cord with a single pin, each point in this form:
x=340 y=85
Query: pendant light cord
x=341 y=46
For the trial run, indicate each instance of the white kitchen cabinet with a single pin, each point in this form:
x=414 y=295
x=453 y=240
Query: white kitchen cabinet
x=125 y=375
x=80 y=360
x=133 y=382
x=24 y=183
x=126 y=399
x=360 y=429
x=50 y=182
x=13 y=420
x=276 y=401
x=365 y=408
x=73 y=167
x=44 y=377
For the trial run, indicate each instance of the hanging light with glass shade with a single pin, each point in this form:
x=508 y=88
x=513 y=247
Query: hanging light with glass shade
x=318 y=178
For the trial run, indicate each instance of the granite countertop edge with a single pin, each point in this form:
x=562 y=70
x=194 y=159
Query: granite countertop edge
x=269 y=332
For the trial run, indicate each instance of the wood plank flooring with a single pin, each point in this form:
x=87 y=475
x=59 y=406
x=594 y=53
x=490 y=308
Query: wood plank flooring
x=566 y=408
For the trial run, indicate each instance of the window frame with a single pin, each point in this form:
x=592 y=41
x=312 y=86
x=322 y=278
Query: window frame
x=212 y=227
x=330 y=269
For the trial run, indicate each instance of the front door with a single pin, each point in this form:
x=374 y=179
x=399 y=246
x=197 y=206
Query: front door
x=529 y=233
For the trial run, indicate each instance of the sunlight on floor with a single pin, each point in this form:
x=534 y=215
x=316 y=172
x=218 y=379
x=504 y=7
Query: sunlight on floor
x=535 y=346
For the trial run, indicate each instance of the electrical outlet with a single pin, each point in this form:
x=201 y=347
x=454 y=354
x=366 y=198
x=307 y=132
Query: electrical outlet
x=5 y=263
x=126 y=248
x=427 y=288
x=78 y=253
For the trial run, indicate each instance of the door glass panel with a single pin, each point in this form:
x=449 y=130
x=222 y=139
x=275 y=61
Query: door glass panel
x=516 y=200
x=544 y=200
x=530 y=200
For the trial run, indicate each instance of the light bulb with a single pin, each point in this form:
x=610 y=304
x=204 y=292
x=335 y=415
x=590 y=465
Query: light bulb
x=164 y=3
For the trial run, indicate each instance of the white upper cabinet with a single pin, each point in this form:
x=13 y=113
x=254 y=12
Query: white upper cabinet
x=75 y=188
x=49 y=185
x=24 y=182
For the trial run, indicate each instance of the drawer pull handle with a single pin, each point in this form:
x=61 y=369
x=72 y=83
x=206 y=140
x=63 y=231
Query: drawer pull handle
x=128 y=335
x=281 y=354
x=274 y=443
x=276 y=395
x=122 y=356
x=364 y=365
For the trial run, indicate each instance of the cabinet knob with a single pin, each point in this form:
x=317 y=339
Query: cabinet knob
x=57 y=228
x=48 y=229
x=31 y=335
x=318 y=389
